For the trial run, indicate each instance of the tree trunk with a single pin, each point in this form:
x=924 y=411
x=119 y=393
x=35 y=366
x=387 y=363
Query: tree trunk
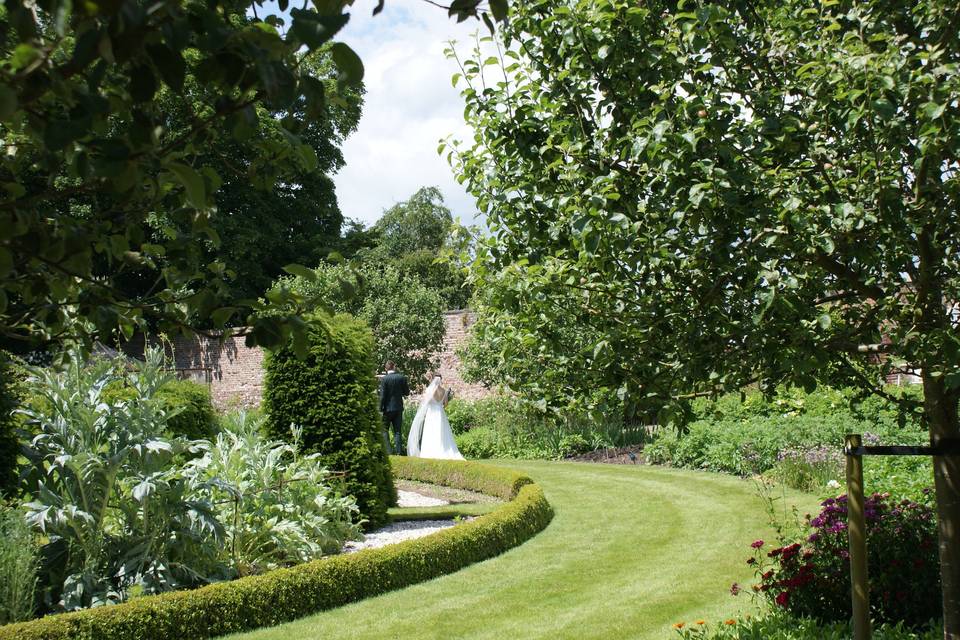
x=940 y=406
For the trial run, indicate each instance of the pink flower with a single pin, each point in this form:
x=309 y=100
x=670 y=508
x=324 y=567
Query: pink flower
x=757 y=544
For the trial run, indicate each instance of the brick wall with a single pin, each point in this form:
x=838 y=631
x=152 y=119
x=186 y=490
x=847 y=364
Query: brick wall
x=235 y=371
x=458 y=326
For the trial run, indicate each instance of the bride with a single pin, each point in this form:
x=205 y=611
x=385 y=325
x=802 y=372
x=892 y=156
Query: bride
x=430 y=434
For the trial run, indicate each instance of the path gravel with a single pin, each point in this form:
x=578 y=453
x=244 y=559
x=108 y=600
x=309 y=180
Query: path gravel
x=400 y=531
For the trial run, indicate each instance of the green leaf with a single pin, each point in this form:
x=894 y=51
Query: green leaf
x=170 y=64
x=192 y=182
x=222 y=315
x=8 y=102
x=143 y=84
x=315 y=30
x=933 y=111
x=499 y=9
x=301 y=271
x=348 y=64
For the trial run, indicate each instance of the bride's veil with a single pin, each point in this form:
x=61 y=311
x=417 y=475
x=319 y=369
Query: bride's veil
x=416 y=429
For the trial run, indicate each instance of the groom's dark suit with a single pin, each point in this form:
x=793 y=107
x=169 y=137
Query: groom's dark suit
x=393 y=388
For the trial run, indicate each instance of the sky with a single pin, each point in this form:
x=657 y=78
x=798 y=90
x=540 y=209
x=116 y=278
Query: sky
x=409 y=106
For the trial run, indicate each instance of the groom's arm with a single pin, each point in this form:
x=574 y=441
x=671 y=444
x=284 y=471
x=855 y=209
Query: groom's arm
x=404 y=389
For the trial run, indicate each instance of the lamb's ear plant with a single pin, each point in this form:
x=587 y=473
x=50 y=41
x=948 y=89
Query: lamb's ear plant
x=107 y=491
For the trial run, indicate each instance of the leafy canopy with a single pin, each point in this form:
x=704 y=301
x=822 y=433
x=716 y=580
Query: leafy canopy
x=100 y=178
x=690 y=198
x=404 y=315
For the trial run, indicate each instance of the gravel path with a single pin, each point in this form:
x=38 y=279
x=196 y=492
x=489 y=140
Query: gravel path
x=413 y=499
x=400 y=531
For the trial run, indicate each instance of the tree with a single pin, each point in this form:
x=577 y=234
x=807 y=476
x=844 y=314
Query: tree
x=405 y=316
x=728 y=193
x=92 y=160
x=422 y=222
x=419 y=237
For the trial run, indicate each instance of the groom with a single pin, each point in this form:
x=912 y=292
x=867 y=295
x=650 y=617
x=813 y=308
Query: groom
x=393 y=388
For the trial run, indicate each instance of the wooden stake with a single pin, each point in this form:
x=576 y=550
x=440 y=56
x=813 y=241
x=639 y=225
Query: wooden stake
x=857 y=536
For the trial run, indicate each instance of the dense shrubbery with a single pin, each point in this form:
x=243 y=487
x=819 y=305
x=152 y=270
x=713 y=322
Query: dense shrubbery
x=192 y=413
x=331 y=396
x=125 y=508
x=117 y=512
x=811 y=577
x=507 y=427
x=796 y=437
x=275 y=503
x=285 y=594
x=779 y=626
x=9 y=399
x=18 y=567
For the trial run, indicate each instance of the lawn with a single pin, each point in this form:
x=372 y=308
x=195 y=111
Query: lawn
x=631 y=551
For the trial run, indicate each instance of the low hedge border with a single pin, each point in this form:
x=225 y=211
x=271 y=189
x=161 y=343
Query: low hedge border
x=287 y=594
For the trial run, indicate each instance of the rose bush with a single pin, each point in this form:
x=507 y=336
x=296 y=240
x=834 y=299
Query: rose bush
x=811 y=577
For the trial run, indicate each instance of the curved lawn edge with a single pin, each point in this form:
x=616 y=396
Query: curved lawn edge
x=286 y=594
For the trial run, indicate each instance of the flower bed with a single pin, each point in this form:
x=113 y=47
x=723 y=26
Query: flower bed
x=286 y=594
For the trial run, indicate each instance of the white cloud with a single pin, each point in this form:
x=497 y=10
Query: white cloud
x=409 y=106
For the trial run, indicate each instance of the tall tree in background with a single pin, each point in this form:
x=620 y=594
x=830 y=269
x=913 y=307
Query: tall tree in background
x=92 y=159
x=418 y=237
x=404 y=315
x=728 y=193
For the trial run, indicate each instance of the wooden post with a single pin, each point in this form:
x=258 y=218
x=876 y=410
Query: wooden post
x=857 y=536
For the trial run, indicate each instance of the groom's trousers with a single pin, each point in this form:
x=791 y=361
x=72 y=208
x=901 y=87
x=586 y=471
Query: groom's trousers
x=393 y=420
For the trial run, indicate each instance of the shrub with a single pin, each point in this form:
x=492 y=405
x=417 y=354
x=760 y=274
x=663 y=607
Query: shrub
x=479 y=443
x=9 y=446
x=276 y=505
x=188 y=407
x=330 y=394
x=18 y=567
x=192 y=412
x=811 y=577
x=779 y=626
x=286 y=594
x=117 y=512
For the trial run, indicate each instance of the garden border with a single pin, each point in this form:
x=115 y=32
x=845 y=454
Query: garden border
x=286 y=594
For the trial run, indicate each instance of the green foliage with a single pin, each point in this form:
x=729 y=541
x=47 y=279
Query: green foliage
x=422 y=222
x=330 y=395
x=18 y=567
x=781 y=626
x=405 y=316
x=669 y=217
x=277 y=506
x=191 y=412
x=810 y=577
x=286 y=594
x=798 y=438
x=114 y=113
x=116 y=511
x=506 y=427
x=9 y=445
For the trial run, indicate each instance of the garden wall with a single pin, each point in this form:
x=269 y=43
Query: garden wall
x=235 y=371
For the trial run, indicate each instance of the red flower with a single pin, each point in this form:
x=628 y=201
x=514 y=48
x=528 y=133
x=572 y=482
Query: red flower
x=757 y=544
x=783 y=598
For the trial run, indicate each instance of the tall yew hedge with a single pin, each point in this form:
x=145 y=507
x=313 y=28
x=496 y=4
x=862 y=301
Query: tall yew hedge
x=331 y=395
x=8 y=439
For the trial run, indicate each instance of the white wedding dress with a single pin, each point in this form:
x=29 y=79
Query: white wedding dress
x=430 y=434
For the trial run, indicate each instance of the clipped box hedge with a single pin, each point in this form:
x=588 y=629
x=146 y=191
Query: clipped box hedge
x=287 y=594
